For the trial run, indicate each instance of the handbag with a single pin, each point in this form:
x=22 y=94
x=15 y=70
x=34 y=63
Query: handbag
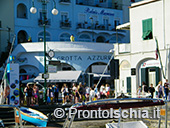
x=48 y=99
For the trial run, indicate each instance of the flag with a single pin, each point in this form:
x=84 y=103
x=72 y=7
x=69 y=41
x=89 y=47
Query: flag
x=156 y=53
x=157 y=49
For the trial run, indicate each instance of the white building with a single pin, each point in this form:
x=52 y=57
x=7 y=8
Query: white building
x=68 y=56
x=149 y=20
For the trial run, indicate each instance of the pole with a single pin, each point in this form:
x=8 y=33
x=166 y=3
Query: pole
x=44 y=25
x=166 y=114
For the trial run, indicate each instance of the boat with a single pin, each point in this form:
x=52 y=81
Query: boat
x=33 y=116
x=132 y=124
x=123 y=103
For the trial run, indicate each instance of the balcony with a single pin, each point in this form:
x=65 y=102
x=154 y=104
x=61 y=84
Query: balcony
x=101 y=4
x=65 y=24
x=124 y=48
x=47 y=22
x=97 y=28
x=64 y=2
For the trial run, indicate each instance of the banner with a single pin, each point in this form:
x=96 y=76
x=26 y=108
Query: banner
x=13 y=79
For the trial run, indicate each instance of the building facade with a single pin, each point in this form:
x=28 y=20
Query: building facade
x=68 y=56
x=140 y=60
x=87 y=20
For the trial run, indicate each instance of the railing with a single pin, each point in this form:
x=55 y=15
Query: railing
x=18 y=119
x=47 y=22
x=66 y=1
x=96 y=26
x=101 y=4
x=65 y=24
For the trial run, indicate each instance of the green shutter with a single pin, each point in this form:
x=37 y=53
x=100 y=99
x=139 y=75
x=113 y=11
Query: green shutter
x=149 y=24
x=157 y=75
x=147 y=28
x=128 y=84
x=144 y=75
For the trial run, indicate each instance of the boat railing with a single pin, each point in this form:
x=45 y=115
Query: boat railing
x=18 y=118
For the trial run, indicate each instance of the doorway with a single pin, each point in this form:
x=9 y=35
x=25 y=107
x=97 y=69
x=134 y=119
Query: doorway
x=150 y=75
x=100 y=39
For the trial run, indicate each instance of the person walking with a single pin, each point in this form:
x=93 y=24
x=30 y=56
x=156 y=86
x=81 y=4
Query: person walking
x=92 y=94
x=139 y=91
x=144 y=88
x=50 y=94
x=166 y=90
x=28 y=92
x=72 y=38
x=56 y=92
x=151 y=90
x=35 y=94
x=107 y=90
x=160 y=89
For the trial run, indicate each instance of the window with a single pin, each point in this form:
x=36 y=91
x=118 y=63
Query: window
x=82 y=18
x=116 y=22
x=147 y=29
x=84 y=38
x=64 y=16
x=41 y=36
x=65 y=37
x=106 y=22
x=21 y=11
x=22 y=36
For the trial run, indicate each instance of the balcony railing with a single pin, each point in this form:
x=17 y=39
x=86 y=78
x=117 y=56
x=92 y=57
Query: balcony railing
x=95 y=26
x=65 y=1
x=101 y=4
x=65 y=24
x=47 y=22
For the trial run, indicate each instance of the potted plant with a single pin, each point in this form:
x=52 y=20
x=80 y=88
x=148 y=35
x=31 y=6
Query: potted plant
x=66 y=20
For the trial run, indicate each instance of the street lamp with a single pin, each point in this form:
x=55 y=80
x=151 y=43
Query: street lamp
x=91 y=18
x=33 y=10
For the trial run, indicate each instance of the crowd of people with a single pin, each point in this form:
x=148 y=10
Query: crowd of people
x=75 y=93
x=30 y=93
x=161 y=90
x=81 y=92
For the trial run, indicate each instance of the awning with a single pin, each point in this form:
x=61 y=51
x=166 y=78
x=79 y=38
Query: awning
x=125 y=26
x=60 y=76
x=104 y=76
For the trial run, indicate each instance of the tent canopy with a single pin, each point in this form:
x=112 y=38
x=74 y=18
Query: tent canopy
x=60 y=76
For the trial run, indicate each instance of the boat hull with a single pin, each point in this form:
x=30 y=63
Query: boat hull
x=119 y=103
x=33 y=118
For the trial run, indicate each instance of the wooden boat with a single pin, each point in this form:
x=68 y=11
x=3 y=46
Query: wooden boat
x=33 y=116
x=123 y=103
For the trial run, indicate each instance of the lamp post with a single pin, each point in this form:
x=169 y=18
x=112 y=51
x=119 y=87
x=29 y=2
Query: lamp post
x=92 y=28
x=33 y=10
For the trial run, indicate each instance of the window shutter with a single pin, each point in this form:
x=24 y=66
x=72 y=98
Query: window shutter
x=147 y=29
x=128 y=79
x=149 y=24
x=144 y=24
